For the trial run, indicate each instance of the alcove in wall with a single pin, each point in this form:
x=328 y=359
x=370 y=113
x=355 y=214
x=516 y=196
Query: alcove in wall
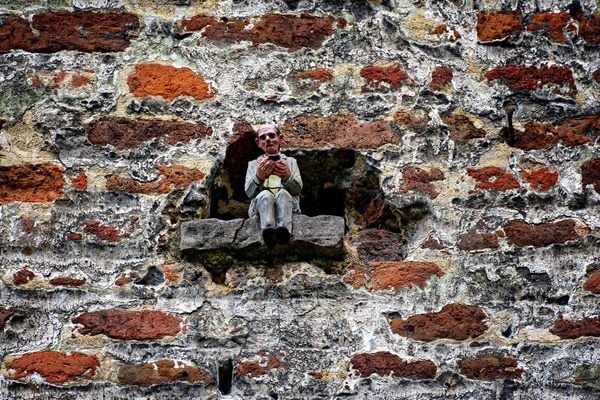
x=337 y=181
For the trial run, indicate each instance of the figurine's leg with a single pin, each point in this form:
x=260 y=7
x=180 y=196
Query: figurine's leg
x=285 y=207
x=265 y=203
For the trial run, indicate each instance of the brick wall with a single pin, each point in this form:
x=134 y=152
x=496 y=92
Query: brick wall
x=120 y=119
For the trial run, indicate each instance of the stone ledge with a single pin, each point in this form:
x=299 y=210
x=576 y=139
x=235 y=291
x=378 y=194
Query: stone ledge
x=311 y=237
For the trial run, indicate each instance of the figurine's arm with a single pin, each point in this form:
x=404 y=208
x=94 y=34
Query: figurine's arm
x=294 y=184
x=253 y=185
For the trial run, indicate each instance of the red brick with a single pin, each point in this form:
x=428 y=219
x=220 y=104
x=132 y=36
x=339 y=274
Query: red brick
x=341 y=131
x=382 y=78
x=80 y=181
x=319 y=74
x=441 y=77
x=570 y=132
x=15 y=33
x=265 y=363
x=542 y=178
x=385 y=275
x=6 y=313
x=67 y=281
x=27 y=225
x=553 y=23
x=593 y=283
x=536 y=136
x=167 y=82
x=129 y=325
x=455 y=35
x=173 y=275
x=61 y=79
x=490 y=367
x=589 y=28
x=432 y=243
x=161 y=372
x=462 y=128
x=419 y=180
x=78 y=81
x=379 y=245
x=492 y=26
x=316 y=374
x=475 y=240
x=102 y=232
x=80 y=30
x=172 y=177
x=521 y=78
x=493 y=179
x=22 y=276
x=125 y=133
x=521 y=233
x=371 y=207
x=438 y=30
x=31 y=183
x=454 y=321
x=579 y=130
x=573 y=329
x=125 y=278
x=74 y=236
x=54 y=367
x=290 y=31
x=415 y=119
x=387 y=364
x=590 y=174
x=36 y=81
x=57 y=78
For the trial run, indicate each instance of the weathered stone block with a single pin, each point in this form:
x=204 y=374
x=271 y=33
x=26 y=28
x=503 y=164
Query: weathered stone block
x=320 y=235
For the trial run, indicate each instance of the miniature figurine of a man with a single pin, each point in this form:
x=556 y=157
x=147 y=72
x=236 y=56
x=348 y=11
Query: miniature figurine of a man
x=273 y=183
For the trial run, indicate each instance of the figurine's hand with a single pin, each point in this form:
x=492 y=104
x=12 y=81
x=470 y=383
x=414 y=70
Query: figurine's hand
x=264 y=168
x=282 y=170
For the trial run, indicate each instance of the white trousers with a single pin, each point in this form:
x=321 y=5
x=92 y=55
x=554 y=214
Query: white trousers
x=275 y=210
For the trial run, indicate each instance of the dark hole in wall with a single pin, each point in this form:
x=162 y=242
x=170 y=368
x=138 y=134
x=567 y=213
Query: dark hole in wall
x=153 y=277
x=325 y=176
x=225 y=376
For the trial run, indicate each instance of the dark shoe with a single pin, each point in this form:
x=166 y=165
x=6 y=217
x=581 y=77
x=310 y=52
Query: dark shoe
x=283 y=235
x=270 y=236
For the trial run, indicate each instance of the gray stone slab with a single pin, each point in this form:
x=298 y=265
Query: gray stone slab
x=322 y=230
x=322 y=235
x=209 y=234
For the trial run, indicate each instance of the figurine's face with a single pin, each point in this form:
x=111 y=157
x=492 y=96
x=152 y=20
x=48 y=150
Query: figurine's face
x=268 y=140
